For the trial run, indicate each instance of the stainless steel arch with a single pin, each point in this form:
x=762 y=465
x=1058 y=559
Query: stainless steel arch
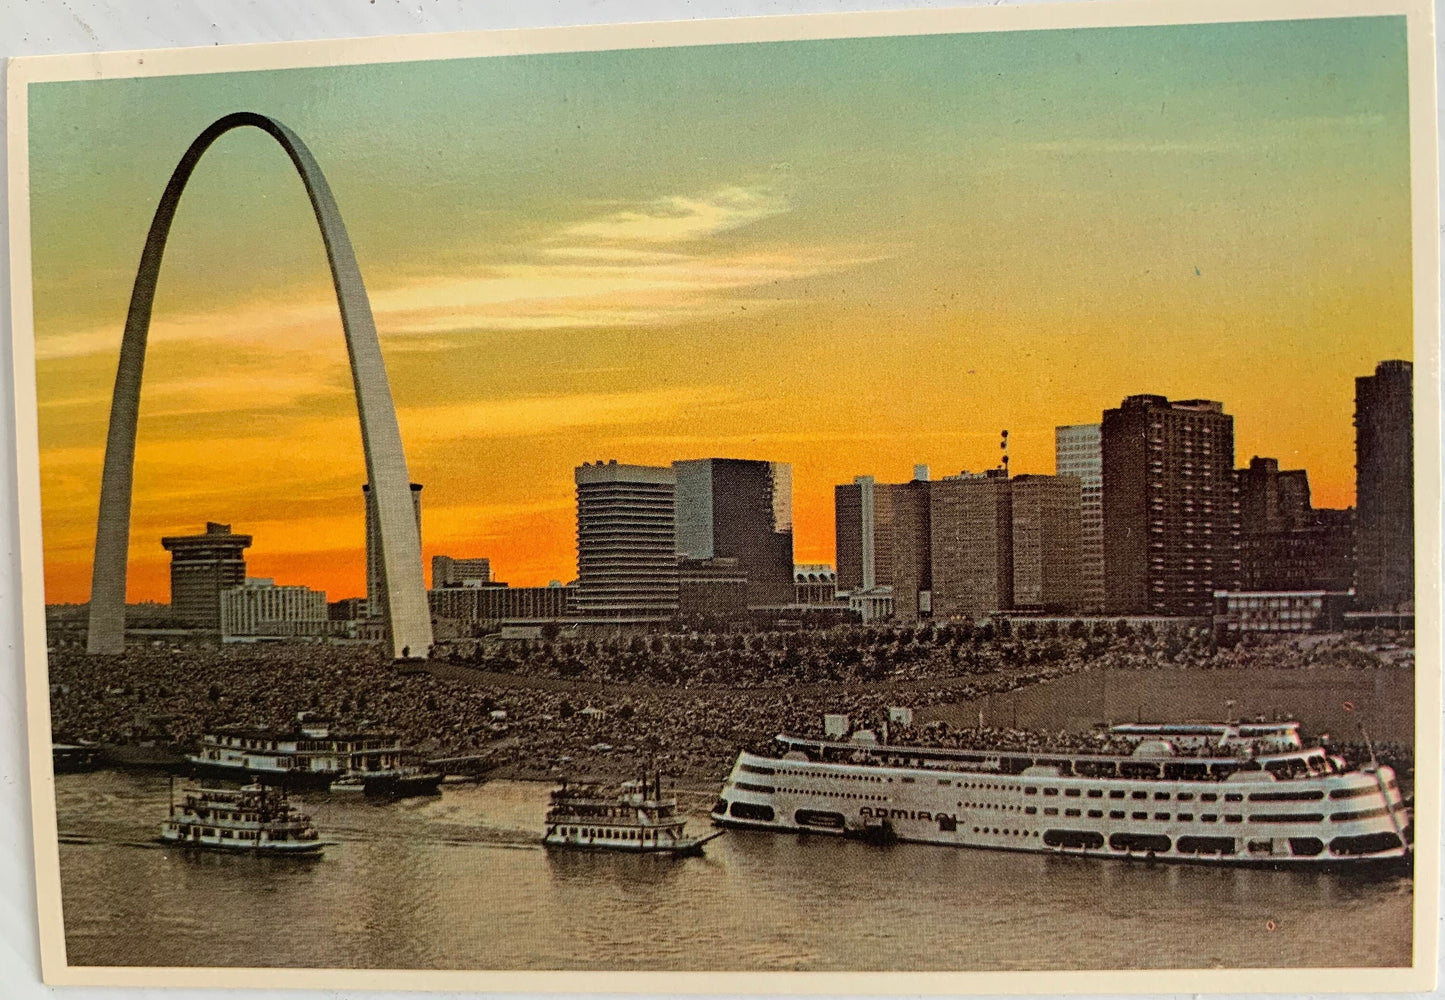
x=386 y=469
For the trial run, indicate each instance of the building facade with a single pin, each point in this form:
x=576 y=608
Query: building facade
x=449 y=572
x=741 y=509
x=1078 y=451
x=626 y=542
x=1286 y=544
x=1385 y=487
x=971 y=545
x=882 y=541
x=202 y=566
x=260 y=608
x=1047 y=543
x=1171 y=513
x=712 y=591
x=814 y=583
x=498 y=603
x=376 y=603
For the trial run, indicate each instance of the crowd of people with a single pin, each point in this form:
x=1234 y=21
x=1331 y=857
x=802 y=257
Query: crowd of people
x=686 y=703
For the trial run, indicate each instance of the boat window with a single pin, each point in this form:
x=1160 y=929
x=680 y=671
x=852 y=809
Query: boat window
x=1185 y=817
x=1030 y=810
x=1368 y=843
x=1234 y=818
x=1358 y=814
x=1051 y=812
x=1208 y=818
x=1185 y=796
x=1072 y=793
x=1096 y=793
x=1287 y=817
x=1030 y=790
x=1162 y=816
x=1051 y=791
x=1161 y=796
x=1233 y=797
x=1096 y=813
x=1116 y=814
x=1354 y=793
x=1208 y=797
x=1139 y=815
x=1116 y=794
x=1139 y=795
x=1286 y=796
x=1071 y=812
x=748 y=786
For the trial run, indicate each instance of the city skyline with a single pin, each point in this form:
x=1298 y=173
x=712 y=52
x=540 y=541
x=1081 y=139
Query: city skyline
x=980 y=247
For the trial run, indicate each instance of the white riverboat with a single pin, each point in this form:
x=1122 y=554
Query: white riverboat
x=254 y=819
x=1231 y=793
x=638 y=818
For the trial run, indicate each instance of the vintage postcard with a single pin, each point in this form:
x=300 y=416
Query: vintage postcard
x=917 y=502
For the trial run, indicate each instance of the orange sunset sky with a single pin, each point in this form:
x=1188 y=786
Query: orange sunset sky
x=850 y=255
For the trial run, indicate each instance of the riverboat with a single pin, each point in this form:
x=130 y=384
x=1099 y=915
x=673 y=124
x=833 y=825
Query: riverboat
x=1223 y=793
x=309 y=756
x=71 y=758
x=638 y=818
x=254 y=819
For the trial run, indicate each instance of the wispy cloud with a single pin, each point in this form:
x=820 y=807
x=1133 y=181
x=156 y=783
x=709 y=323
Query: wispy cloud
x=657 y=263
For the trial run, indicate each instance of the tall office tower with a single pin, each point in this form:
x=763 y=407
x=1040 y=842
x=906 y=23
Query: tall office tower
x=732 y=508
x=1047 y=542
x=863 y=532
x=971 y=527
x=449 y=572
x=626 y=542
x=375 y=579
x=1078 y=452
x=201 y=567
x=1385 y=487
x=911 y=556
x=1171 y=514
x=1286 y=544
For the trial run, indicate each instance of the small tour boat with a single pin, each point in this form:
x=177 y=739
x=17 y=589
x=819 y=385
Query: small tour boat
x=254 y=819
x=635 y=818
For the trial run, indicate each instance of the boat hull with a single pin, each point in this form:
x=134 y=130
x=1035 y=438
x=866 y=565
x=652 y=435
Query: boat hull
x=276 y=779
x=281 y=850
x=393 y=786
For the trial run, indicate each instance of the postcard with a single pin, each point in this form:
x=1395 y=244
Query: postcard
x=926 y=502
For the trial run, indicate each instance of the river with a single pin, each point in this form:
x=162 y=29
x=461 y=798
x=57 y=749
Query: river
x=458 y=881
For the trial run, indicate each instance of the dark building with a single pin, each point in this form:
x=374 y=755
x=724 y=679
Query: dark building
x=910 y=552
x=201 y=567
x=1385 y=487
x=971 y=550
x=712 y=590
x=626 y=542
x=863 y=530
x=1171 y=516
x=375 y=578
x=740 y=509
x=449 y=572
x=1048 y=542
x=1286 y=544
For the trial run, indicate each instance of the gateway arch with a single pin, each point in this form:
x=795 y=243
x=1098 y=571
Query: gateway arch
x=407 y=611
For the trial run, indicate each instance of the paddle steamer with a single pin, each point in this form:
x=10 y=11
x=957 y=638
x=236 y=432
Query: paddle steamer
x=1231 y=793
x=638 y=819
x=253 y=819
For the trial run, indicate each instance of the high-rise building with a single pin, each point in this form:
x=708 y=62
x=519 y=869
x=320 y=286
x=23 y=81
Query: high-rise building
x=863 y=528
x=1385 y=487
x=1171 y=514
x=375 y=578
x=1078 y=452
x=971 y=532
x=449 y=572
x=910 y=569
x=730 y=508
x=201 y=567
x=1047 y=542
x=259 y=607
x=626 y=542
x=1286 y=544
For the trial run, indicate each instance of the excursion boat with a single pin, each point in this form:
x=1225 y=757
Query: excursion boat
x=72 y=758
x=1230 y=793
x=405 y=782
x=254 y=819
x=637 y=818
x=309 y=756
